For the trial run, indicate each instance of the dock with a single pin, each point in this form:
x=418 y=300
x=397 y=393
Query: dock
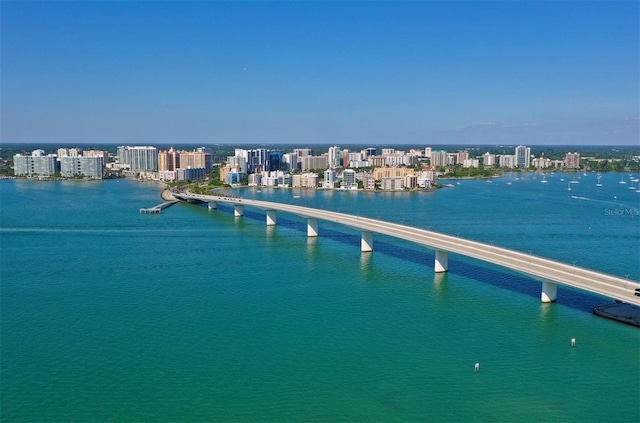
x=158 y=208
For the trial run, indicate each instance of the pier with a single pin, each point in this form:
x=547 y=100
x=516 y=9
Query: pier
x=158 y=208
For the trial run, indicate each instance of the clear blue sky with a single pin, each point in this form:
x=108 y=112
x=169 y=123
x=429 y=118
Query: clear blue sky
x=429 y=72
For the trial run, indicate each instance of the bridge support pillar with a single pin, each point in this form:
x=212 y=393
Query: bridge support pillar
x=549 y=292
x=238 y=210
x=213 y=205
x=442 y=261
x=366 y=241
x=271 y=217
x=312 y=227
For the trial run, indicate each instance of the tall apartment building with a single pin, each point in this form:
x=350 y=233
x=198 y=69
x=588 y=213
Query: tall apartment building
x=237 y=162
x=37 y=164
x=313 y=162
x=523 y=156
x=139 y=158
x=462 y=156
x=334 y=157
x=330 y=179
x=488 y=159
x=507 y=160
x=194 y=160
x=349 y=179
x=572 y=160
x=439 y=158
x=168 y=160
x=88 y=167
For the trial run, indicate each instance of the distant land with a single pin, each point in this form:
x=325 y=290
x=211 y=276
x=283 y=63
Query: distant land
x=222 y=149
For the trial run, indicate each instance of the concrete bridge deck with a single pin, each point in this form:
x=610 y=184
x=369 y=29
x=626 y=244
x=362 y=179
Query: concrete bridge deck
x=548 y=272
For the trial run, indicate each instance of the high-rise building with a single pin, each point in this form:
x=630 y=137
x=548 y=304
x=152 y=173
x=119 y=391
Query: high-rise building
x=334 y=157
x=507 y=160
x=488 y=159
x=329 y=179
x=37 y=164
x=139 y=158
x=572 y=160
x=523 y=156
x=349 y=179
x=439 y=158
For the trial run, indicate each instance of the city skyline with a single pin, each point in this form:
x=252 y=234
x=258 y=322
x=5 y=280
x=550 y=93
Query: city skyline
x=533 y=73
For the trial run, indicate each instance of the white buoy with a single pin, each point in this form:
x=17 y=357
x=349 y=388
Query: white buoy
x=477 y=367
x=573 y=342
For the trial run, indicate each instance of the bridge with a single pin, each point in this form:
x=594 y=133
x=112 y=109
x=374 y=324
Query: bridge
x=550 y=273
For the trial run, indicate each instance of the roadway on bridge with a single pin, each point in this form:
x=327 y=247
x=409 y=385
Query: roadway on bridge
x=540 y=268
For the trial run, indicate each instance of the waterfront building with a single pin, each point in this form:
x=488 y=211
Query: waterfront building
x=438 y=158
x=461 y=156
x=391 y=172
x=507 y=160
x=194 y=159
x=284 y=179
x=368 y=181
x=255 y=179
x=541 y=162
x=370 y=151
x=168 y=160
x=523 y=156
x=467 y=163
x=391 y=184
x=488 y=159
x=140 y=158
x=305 y=180
x=38 y=164
x=427 y=177
x=167 y=175
x=349 y=179
x=88 y=167
x=572 y=160
x=330 y=179
x=410 y=181
x=234 y=176
x=427 y=152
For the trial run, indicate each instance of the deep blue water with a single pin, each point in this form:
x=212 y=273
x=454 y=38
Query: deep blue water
x=194 y=315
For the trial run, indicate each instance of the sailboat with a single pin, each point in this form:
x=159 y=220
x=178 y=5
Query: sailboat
x=574 y=181
x=599 y=182
x=622 y=181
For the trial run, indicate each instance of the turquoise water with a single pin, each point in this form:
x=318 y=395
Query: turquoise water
x=194 y=315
